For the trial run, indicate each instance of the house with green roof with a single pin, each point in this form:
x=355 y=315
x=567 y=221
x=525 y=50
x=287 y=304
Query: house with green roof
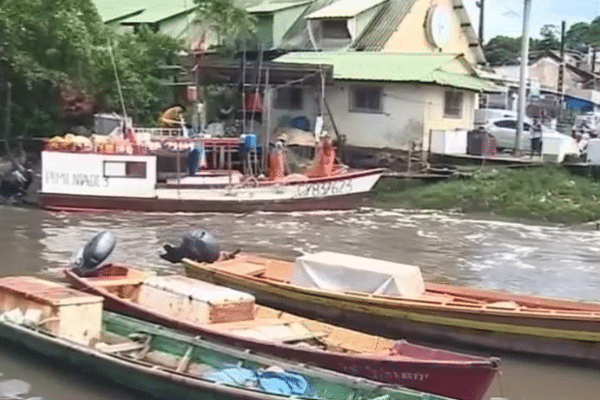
x=401 y=68
x=384 y=100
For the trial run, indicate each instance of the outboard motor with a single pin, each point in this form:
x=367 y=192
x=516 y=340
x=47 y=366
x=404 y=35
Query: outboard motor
x=14 y=183
x=198 y=245
x=91 y=255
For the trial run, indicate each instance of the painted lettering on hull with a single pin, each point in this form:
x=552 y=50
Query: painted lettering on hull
x=75 y=179
x=322 y=189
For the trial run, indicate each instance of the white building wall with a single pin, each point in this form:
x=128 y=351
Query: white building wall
x=434 y=111
x=409 y=112
x=310 y=98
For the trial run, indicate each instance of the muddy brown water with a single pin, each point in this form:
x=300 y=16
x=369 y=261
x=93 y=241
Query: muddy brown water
x=550 y=260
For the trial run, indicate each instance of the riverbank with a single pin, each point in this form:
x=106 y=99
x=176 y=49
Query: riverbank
x=543 y=193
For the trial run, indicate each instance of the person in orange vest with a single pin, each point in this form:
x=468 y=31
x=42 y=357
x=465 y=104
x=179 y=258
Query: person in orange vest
x=325 y=156
x=277 y=161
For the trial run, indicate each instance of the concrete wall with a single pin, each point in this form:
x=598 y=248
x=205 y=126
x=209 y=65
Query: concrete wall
x=434 y=111
x=411 y=35
x=408 y=112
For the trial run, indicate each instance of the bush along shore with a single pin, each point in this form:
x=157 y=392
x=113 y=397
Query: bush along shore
x=543 y=193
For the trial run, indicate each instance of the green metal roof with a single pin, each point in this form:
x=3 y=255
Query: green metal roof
x=275 y=6
x=344 y=9
x=155 y=10
x=156 y=14
x=383 y=25
x=390 y=67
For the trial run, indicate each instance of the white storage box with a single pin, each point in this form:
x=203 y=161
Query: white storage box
x=554 y=149
x=449 y=142
x=65 y=312
x=593 y=152
x=195 y=301
x=343 y=272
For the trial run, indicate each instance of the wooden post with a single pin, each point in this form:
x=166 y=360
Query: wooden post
x=221 y=157
x=7 y=118
x=229 y=150
x=178 y=165
x=267 y=107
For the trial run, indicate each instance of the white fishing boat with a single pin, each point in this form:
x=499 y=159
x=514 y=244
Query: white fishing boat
x=126 y=177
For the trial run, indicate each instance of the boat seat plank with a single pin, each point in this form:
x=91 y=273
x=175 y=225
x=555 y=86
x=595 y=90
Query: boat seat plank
x=119 y=347
x=241 y=268
x=103 y=282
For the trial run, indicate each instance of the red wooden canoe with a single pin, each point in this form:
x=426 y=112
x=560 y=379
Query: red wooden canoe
x=423 y=368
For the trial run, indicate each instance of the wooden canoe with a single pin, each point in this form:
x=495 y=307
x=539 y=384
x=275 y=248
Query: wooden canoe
x=164 y=364
x=449 y=314
x=422 y=368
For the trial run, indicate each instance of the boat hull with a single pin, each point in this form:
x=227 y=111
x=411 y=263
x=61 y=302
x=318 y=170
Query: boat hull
x=571 y=339
x=64 y=202
x=468 y=380
x=89 y=181
x=155 y=382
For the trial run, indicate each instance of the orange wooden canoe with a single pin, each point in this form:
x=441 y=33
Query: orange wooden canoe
x=453 y=315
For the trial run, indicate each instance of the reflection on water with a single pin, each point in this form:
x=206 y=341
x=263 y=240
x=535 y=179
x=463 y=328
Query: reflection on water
x=549 y=260
x=51 y=383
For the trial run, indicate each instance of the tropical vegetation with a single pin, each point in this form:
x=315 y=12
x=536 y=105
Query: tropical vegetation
x=580 y=37
x=546 y=193
x=63 y=63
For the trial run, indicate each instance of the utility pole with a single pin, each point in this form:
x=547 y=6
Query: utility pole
x=481 y=5
x=523 y=75
x=561 y=70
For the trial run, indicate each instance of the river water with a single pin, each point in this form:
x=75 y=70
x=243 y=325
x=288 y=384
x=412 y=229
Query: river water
x=549 y=260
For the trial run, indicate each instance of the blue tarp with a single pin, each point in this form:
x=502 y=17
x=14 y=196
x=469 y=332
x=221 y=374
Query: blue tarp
x=575 y=103
x=287 y=383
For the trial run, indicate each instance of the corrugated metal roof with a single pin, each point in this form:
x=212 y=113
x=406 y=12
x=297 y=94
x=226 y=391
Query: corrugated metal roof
x=278 y=6
x=112 y=10
x=296 y=38
x=344 y=9
x=389 y=67
x=383 y=25
x=154 y=14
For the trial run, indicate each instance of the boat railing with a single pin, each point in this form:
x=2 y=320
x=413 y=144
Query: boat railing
x=159 y=132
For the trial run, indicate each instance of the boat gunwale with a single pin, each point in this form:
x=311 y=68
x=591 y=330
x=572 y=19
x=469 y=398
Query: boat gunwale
x=198 y=382
x=391 y=301
x=467 y=361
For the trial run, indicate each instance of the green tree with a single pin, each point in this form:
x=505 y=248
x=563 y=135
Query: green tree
x=501 y=49
x=229 y=22
x=549 y=39
x=577 y=37
x=52 y=47
x=594 y=32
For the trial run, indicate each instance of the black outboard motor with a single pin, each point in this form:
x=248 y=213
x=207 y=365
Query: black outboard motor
x=198 y=245
x=15 y=182
x=91 y=255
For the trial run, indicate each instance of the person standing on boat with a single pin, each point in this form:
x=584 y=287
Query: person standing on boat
x=325 y=157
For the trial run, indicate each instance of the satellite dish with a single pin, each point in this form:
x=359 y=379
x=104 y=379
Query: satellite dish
x=439 y=25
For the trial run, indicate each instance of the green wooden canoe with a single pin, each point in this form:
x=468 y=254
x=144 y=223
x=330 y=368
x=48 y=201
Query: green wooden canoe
x=167 y=364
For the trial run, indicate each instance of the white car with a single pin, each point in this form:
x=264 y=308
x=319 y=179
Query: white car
x=504 y=131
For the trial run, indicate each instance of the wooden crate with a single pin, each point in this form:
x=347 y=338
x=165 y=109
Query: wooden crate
x=195 y=301
x=65 y=312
